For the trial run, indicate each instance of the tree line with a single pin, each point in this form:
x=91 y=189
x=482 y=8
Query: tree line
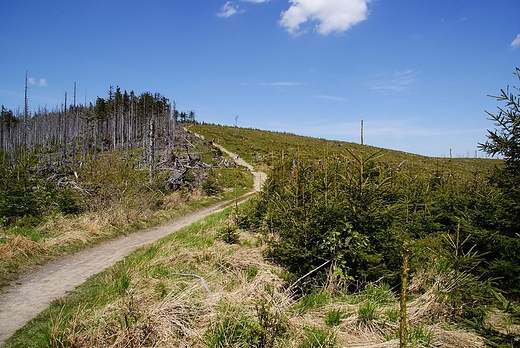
x=121 y=121
x=50 y=158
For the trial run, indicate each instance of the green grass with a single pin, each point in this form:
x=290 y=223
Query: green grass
x=380 y=294
x=262 y=148
x=333 y=317
x=392 y=314
x=312 y=301
x=251 y=271
x=318 y=338
x=367 y=312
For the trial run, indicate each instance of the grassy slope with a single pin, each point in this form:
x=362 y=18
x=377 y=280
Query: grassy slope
x=142 y=299
x=261 y=148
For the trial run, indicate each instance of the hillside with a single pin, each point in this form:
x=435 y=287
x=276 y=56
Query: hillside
x=261 y=148
x=222 y=282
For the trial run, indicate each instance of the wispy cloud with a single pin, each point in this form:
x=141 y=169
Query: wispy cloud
x=281 y=84
x=398 y=81
x=40 y=83
x=255 y=1
x=329 y=97
x=516 y=42
x=229 y=9
x=331 y=15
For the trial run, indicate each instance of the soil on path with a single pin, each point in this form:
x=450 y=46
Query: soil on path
x=32 y=293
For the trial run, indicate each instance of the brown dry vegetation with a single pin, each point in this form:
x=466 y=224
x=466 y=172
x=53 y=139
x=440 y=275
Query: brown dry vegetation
x=60 y=234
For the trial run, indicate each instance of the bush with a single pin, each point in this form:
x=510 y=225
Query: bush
x=229 y=234
x=210 y=186
x=67 y=202
x=330 y=210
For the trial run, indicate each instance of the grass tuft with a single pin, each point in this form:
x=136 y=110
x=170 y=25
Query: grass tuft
x=333 y=317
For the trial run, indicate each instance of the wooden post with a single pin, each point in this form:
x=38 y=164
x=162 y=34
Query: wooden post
x=402 y=302
x=361 y=132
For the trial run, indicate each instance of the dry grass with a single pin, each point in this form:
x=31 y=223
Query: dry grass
x=503 y=322
x=173 y=200
x=61 y=234
x=18 y=247
x=67 y=231
x=182 y=316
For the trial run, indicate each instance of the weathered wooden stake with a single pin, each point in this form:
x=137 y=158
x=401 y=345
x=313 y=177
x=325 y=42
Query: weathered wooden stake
x=361 y=132
x=402 y=302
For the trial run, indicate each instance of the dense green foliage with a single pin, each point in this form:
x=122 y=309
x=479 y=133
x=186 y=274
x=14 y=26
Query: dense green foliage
x=356 y=213
x=321 y=191
x=26 y=191
x=330 y=210
x=504 y=220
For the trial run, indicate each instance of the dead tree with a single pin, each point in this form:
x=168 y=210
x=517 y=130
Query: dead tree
x=151 y=150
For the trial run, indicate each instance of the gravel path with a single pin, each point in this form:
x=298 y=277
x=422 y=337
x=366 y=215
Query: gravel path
x=32 y=293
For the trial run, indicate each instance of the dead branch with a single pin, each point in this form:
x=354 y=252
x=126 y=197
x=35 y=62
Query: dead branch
x=196 y=276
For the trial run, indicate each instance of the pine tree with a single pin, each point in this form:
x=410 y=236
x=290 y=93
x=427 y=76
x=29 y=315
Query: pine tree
x=505 y=141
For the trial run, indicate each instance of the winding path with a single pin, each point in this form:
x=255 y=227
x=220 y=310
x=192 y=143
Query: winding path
x=32 y=293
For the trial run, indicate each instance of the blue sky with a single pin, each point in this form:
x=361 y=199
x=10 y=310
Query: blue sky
x=417 y=72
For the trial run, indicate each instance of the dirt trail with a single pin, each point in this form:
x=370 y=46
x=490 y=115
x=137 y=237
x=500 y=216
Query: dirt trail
x=32 y=293
x=259 y=176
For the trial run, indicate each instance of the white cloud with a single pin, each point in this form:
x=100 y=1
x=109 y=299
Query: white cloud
x=331 y=15
x=228 y=9
x=398 y=81
x=516 y=42
x=40 y=83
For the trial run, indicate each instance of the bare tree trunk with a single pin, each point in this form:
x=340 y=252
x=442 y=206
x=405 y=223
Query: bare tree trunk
x=73 y=130
x=402 y=302
x=64 y=145
x=26 y=111
x=151 y=141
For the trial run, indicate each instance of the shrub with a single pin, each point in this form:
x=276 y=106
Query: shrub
x=229 y=234
x=210 y=186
